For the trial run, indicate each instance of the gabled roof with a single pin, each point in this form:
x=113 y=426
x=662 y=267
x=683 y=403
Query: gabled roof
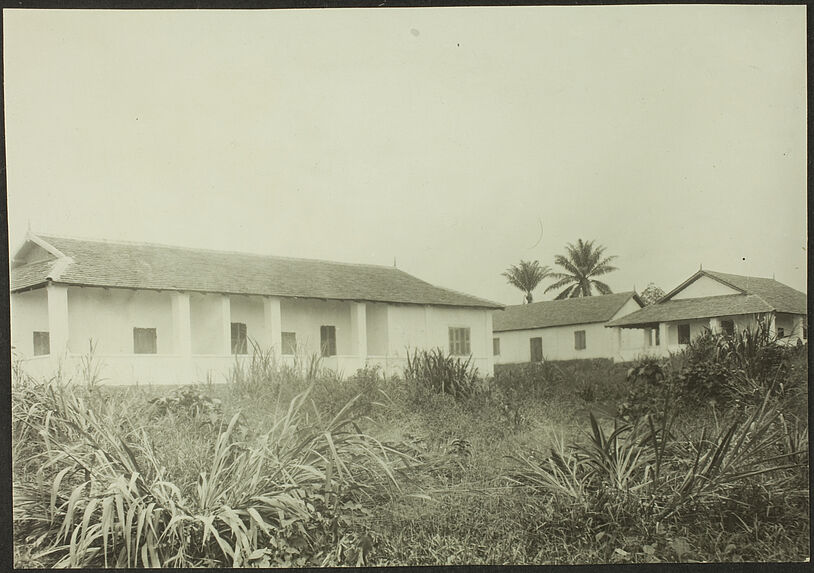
x=756 y=295
x=150 y=266
x=582 y=310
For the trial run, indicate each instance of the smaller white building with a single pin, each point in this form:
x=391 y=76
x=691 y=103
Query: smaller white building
x=716 y=302
x=564 y=329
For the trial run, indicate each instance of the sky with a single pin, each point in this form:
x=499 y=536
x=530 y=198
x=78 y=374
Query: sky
x=453 y=141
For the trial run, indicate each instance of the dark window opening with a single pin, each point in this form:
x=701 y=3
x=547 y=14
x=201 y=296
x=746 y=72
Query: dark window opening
x=536 y=348
x=459 y=341
x=42 y=343
x=289 y=341
x=780 y=332
x=728 y=327
x=327 y=339
x=144 y=341
x=496 y=346
x=683 y=333
x=239 y=342
x=579 y=340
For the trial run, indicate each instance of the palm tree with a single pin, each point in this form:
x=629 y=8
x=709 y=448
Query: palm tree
x=526 y=276
x=582 y=262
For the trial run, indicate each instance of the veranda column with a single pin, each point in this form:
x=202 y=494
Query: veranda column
x=715 y=325
x=358 y=330
x=772 y=326
x=488 y=346
x=226 y=326
x=797 y=327
x=181 y=333
x=57 y=318
x=272 y=319
x=663 y=340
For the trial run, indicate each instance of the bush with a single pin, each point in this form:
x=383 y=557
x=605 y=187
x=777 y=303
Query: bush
x=98 y=493
x=443 y=374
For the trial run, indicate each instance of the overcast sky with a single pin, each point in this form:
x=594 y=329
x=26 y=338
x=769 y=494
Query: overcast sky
x=457 y=140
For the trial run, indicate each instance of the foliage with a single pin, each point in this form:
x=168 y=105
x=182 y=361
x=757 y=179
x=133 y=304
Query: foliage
x=100 y=495
x=526 y=276
x=442 y=373
x=190 y=402
x=582 y=262
x=651 y=294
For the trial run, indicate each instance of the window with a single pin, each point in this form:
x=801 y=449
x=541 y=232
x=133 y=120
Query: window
x=496 y=346
x=42 y=343
x=459 y=341
x=805 y=333
x=780 y=332
x=683 y=333
x=144 y=341
x=579 y=340
x=728 y=327
x=327 y=340
x=239 y=342
x=289 y=340
x=536 y=349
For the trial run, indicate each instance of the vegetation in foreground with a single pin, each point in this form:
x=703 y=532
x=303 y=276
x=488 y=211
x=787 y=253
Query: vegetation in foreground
x=702 y=457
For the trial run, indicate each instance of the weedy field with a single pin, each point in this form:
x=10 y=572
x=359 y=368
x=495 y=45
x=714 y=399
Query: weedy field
x=700 y=457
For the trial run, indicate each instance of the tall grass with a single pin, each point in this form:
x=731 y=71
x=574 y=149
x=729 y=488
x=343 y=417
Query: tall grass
x=96 y=492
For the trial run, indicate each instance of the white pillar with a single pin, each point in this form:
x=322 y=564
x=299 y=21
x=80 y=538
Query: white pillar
x=226 y=325
x=646 y=337
x=797 y=327
x=57 y=318
x=715 y=325
x=427 y=326
x=181 y=333
x=663 y=341
x=489 y=347
x=272 y=319
x=358 y=330
x=772 y=326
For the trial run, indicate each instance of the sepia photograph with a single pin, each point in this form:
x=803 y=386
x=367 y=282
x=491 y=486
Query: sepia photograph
x=407 y=286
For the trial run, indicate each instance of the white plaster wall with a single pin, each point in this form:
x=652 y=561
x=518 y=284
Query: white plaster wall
x=630 y=306
x=477 y=320
x=407 y=328
x=205 y=323
x=29 y=314
x=304 y=317
x=249 y=310
x=558 y=342
x=108 y=316
x=376 y=320
x=702 y=287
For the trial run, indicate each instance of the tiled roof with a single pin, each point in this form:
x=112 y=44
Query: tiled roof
x=759 y=295
x=161 y=267
x=693 y=308
x=32 y=274
x=581 y=310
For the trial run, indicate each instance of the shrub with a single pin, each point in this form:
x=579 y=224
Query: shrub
x=443 y=374
x=101 y=496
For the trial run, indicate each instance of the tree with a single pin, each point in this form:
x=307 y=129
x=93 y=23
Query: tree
x=582 y=262
x=651 y=294
x=526 y=276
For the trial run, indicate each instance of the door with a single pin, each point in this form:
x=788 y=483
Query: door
x=536 y=349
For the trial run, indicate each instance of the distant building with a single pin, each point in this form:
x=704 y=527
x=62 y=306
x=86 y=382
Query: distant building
x=162 y=314
x=564 y=329
x=717 y=302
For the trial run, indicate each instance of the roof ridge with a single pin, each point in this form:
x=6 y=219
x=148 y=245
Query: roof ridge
x=574 y=299
x=45 y=236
